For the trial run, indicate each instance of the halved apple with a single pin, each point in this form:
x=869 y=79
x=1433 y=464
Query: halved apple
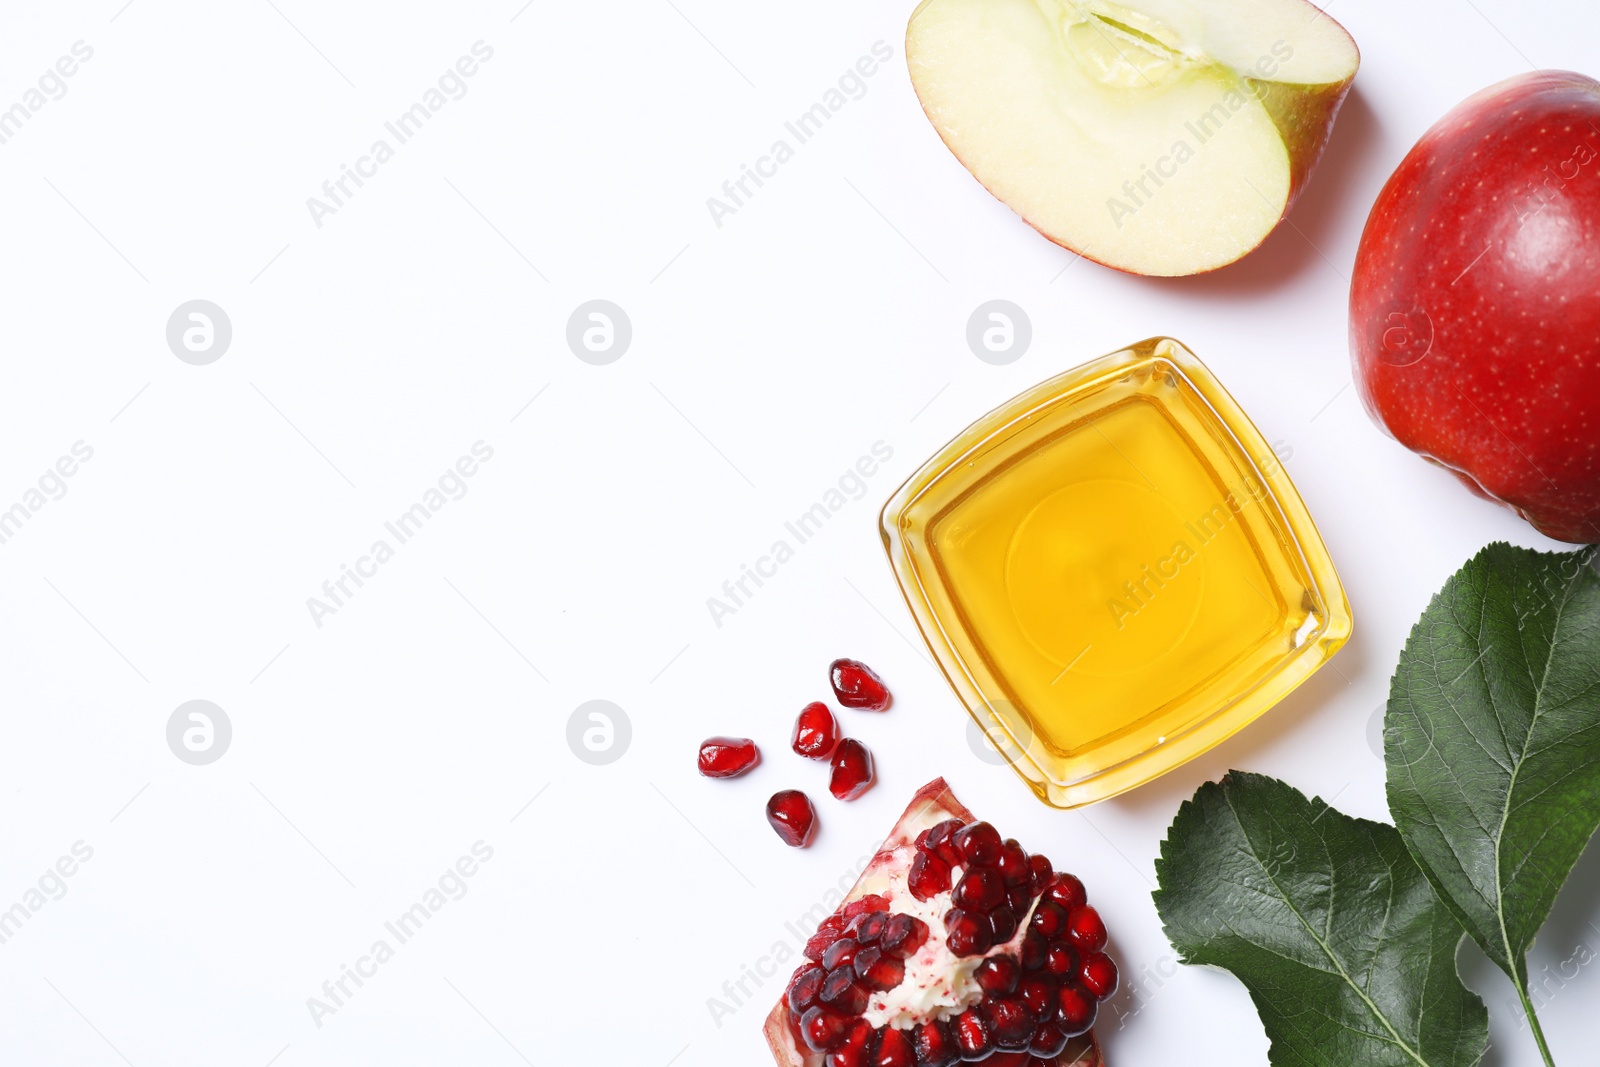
x=1160 y=137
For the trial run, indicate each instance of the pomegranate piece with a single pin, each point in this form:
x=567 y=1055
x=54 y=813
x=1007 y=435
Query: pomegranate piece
x=816 y=731
x=1075 y=1009
x=895 y=1050
x=855 y=685
x=727 y=757
x=870 y=948
x=1099 y=975
x=903 y=935
x=852 y=770
x=793 y=817
x=1086 y=929
x=1049 y=920
x=1066 y=891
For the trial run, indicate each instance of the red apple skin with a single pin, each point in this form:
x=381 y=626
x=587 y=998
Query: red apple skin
x=1475 y=308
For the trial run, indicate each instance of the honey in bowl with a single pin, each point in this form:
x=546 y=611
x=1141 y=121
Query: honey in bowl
x=1114 y=572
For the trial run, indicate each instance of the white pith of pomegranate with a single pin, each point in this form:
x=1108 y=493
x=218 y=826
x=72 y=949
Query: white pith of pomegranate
x=929 y=1006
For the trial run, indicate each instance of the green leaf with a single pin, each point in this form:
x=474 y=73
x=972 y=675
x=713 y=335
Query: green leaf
x=1493 y=740
x=1346 y=951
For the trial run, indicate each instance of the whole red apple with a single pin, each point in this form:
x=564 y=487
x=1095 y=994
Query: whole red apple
x=1475 y=310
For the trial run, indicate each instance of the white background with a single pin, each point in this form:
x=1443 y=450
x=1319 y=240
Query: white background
x=768 y=354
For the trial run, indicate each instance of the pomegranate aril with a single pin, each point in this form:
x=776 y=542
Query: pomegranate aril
x=895 y=1050
x=1098 y=975
x=791 y=814
x=1019 y=898
x=869 y=927
x=974 y=1035
x=841 y=993
x=816 y=731
x=870 y=902
x=857 y=686
x=829 y=931
x=1048 y=1041
x=841 y=953
x=929 y=876
x=978 y=844
x=727 y=757
x=1002 y=924
x=822 y=1029
x=804 y=988
x=1033 y=951
x=902 y=936
x=1049 y=920
x=938 y=841
x=852 y=770
x=935 y=1044
x=1011 y=1059
x=1066 y=891
x=970 y=934
x=1039 y=867
x=1075 y=1009
x=1086 y=929
x=998 y=975
x=855 y=1049
x=1038 y=995
x=1013 y=1023
x=1013 y=864
x=980 y=889
x=877 y=970
x=1061 y=961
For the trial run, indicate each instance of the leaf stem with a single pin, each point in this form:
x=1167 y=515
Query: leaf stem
x=1533 y=1024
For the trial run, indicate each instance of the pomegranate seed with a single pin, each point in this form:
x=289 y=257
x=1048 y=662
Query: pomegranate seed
x=1003 y=921
x=853 y=1050
x=1039 y=867
x=970 y=934
x=979 y=890
x=869 y=927
x=1066 y=891
x=791 y=814
x=856 y=686
x=1099 y=975
x=1075 y=1009
x=841 y=953
x=816 y=731
x=1048 y=1041
x=1013 y=864
x=822 y=1029
x=1012 y=1022
x=935 y=1044
x=1061 y=961
x=1086 y=929
x=852 y=770
x=979 y=844
x=895 y=1050
x=828 y=931
x=840 y=992
x=974 y=1035
x=1049 y=920
x=804 y=987
x=929 y=876
x=1033 y=952
x=877 y=969
x=1019 y=898
x=998 y=975
x=1038 y=995
x=1011 y=1059
x=727 y=757
x=938 y=842
x=903 y=935
x=862 y=905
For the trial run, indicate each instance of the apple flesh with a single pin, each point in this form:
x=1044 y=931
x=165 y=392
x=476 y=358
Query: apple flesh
x=1475 y=304
x=1155 y=136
